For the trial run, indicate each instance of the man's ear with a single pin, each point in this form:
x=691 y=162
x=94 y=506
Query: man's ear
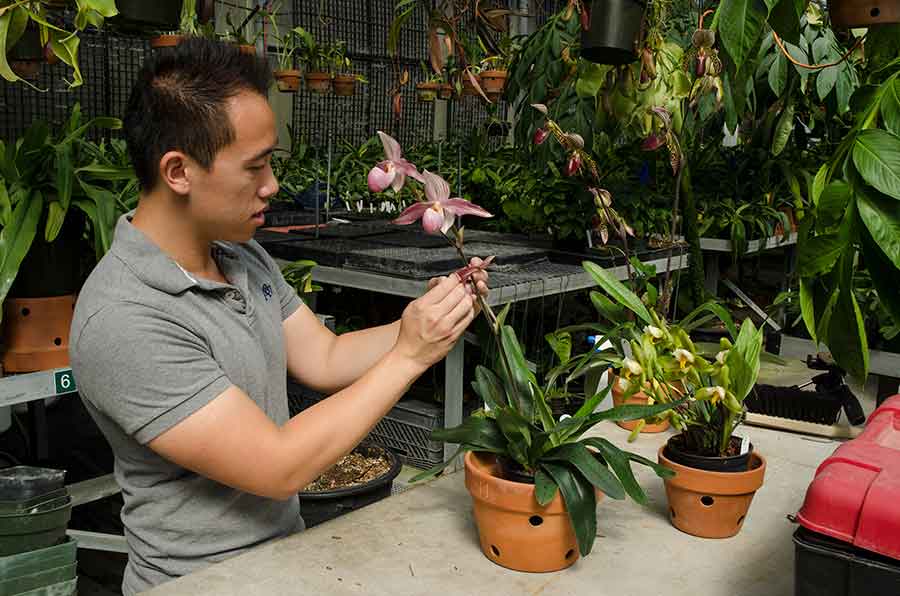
x=173 y=172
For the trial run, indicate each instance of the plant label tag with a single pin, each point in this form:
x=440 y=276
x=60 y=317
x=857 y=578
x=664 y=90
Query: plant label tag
x=745 y=445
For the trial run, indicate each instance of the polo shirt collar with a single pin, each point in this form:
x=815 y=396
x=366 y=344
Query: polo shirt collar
x=158 y=270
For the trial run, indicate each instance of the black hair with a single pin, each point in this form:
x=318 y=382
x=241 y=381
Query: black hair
x=179 y=103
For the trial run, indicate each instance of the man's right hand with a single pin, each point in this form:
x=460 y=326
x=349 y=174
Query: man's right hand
x=431 y=325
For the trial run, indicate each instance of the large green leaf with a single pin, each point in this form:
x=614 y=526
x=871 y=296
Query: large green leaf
x=8 y=27
x=778 y=74
x=581 y=501
x=659 y=470
x=847 y=335
x=16 y=239
x=847 y=84
x=688 y=323
x=579 y=457
x=890 y=107
x=489 y=387
x=833 y=203
x=876 y=155
x=619 y=463
x=479 y=431
x=743 y=359
x=807 y=307
x=5 y=205
x=885 y=276
x=618 y=291
x=740 y=24
x=819 y=254
x=561 y=344
x=826 y=80
x=818 y=184
x=785 y=19
x=544 y=487
x=784 y=129
x=882 y=217
x=522 y=383
x=606 y=308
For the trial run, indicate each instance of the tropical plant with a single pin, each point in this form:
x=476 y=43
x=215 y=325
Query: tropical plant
x=237 y=33
x=856 y=218
x=313 y=56
x=16 y=16
x=298 y=274
x=43 y=174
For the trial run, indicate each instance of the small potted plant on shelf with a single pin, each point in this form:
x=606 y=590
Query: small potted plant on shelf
x=534 y=480
x=494 y=69
x=286 y=76
x=427 y=90
x=316 y=60
x=189 y=26
x=344 y=81
x=238 y=36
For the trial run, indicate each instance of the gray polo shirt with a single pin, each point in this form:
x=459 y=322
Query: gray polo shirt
x=150 y=346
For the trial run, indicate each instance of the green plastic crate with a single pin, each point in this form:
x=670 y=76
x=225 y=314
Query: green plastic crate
x=66 y=588
x=34 y=581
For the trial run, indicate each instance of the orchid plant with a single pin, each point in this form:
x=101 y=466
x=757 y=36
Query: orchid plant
x=517 y=424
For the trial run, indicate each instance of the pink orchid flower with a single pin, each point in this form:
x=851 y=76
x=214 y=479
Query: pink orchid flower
x=393 y=170
x=439 y=212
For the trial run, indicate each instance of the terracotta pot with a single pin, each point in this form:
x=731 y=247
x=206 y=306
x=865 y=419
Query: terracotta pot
x=711 y=504
x=36 y=332
x=852 y=13
x=427 y=92
x=166 y=41
x=247 y=49
x=638 y=399
x=318 y=82
x=445 y=91
x=515 y=531
x=287 y=80
x=493 y=82
x=468 y=88
x=344 y=85
x=779 y=228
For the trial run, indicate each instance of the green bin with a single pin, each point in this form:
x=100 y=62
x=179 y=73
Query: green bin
x=34 y=581
x=66 y=588
x=38 y=560
x=47 y=527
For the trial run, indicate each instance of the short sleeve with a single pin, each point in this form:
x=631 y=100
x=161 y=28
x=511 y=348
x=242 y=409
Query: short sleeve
x=143 y=369
x=287 y=295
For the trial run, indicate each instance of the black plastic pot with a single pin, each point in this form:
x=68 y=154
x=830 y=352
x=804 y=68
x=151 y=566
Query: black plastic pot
x=613 y=32
x=512 y=471
x=676 y=452
x=318 y=507
x=22 y=483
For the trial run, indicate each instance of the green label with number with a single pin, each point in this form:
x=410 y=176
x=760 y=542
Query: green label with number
x=64 y=381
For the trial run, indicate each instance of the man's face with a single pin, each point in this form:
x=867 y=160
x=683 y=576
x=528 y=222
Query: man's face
x=227 y=202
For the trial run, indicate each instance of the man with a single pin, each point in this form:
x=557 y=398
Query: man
x=184 y=333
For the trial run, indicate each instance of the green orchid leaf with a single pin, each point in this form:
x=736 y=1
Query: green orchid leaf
x=581 y=502
x=544 y=488
x=489 y=388
x=784 y=129
x=659 y=470
x=579 y=457
x=16 y=239
x=482 y=432
x=618 y=291
x=876 y=155
x=690 y=322
x=619 y=463
x=561 y=344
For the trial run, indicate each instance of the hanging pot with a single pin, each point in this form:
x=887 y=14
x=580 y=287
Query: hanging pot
x=246 y=48
x=445 y=91
x=612 y=36
x=468 y=87
x=493 y=82
x=26 y=57
x=427 y=92
x=863 y=13
x=166 y=41
x=344 y=85
x=288 y=80
x=318 y=82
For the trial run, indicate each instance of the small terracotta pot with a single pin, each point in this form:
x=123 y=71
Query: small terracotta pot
x=287 y=80
x=638 y=399
x=36 y=333
x=318 y=82
x=493 y=82
x=445 y=91
x=247 y=49
x=427 y=92
x=166 y=41
x=849 y=13
x=344 y=85
x=515 y=531
x=711 y=504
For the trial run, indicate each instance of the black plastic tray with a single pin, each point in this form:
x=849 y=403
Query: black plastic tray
x=824 y=566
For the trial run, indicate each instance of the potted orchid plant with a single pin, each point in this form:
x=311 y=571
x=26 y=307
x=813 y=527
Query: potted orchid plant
x=535 y=480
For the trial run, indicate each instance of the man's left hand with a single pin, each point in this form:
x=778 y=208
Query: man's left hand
x=476 y=273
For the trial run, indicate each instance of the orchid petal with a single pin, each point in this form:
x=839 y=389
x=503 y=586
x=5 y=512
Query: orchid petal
x=409 y=169
x=463 y=207
x=436 y=188
x=449 y=218
x=412 y=214
x=540 y=108
x=399 y=181
x=432 y=220
x=392 y=149
x=380 y=178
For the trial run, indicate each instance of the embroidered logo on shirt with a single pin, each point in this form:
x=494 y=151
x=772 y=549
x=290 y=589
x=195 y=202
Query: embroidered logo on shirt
x=267 y=291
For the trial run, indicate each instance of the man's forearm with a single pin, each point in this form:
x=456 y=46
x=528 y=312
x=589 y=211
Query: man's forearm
x=352 y=354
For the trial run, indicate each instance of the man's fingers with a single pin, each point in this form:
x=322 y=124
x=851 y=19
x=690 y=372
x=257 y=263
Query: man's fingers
x=463 y=324
x=441 y=290
x=434 y=281
x=460 y=312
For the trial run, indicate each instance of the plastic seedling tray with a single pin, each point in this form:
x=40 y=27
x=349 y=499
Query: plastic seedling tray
x=42 y=579
x=29 y=505
x=21 y=483
x=39 y=560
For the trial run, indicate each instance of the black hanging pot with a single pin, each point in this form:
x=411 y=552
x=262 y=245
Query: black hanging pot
x=613 y=32
x=863 y=13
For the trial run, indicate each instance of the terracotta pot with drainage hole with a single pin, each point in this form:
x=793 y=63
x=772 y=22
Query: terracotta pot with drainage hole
x=711 y=504
x=638 y=399
x=514 y=531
